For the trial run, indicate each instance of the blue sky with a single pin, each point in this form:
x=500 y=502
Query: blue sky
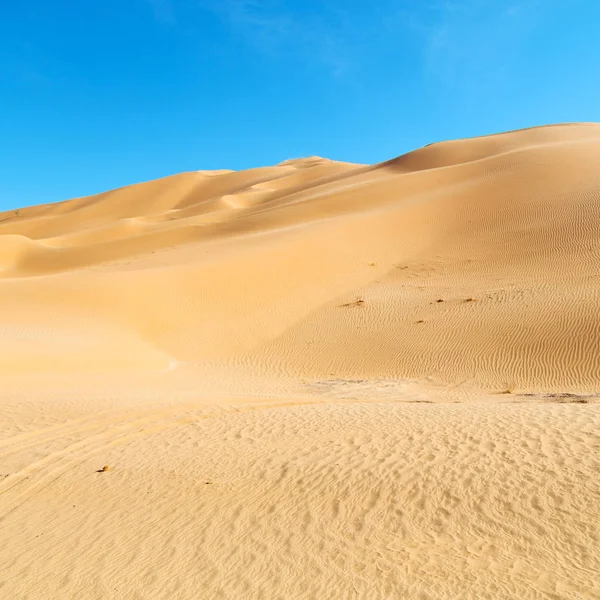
x=99 y=94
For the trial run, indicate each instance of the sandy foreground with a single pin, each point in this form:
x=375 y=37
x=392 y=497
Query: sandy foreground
x=312 y=380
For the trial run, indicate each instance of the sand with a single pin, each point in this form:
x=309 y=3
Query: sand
x=311 y=380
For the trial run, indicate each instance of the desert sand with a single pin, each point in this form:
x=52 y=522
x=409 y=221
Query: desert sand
x=311 y=380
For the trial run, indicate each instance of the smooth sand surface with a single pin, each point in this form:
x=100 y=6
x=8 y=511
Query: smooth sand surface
x=312 y=380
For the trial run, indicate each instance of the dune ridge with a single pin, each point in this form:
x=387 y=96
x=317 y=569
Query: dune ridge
x=266 y=257
x=310 y=380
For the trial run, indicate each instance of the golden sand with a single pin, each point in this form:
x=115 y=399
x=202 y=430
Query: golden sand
x=312 y=380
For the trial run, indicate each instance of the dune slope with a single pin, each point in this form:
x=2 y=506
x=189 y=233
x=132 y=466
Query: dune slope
x=261 y=267
x=269 y=362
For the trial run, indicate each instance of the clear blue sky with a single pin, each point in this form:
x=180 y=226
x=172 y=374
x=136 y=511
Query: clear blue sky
x=99 y=94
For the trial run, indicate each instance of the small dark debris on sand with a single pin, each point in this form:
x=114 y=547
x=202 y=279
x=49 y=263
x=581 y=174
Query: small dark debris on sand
x=563 y=397
x=357 y=302
x=566 y=397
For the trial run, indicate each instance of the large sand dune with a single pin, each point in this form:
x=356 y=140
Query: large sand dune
x=251 y=353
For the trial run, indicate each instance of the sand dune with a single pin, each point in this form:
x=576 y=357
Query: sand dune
x=276 y=332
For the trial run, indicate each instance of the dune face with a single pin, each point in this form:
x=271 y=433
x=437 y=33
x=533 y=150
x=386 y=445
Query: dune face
x=249 y=353
x=253 y=268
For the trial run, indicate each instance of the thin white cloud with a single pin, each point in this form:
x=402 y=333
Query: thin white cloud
x=472 y=43
x=280 y=30
x=266 y=25
x=456 y=40
x=163 y=11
